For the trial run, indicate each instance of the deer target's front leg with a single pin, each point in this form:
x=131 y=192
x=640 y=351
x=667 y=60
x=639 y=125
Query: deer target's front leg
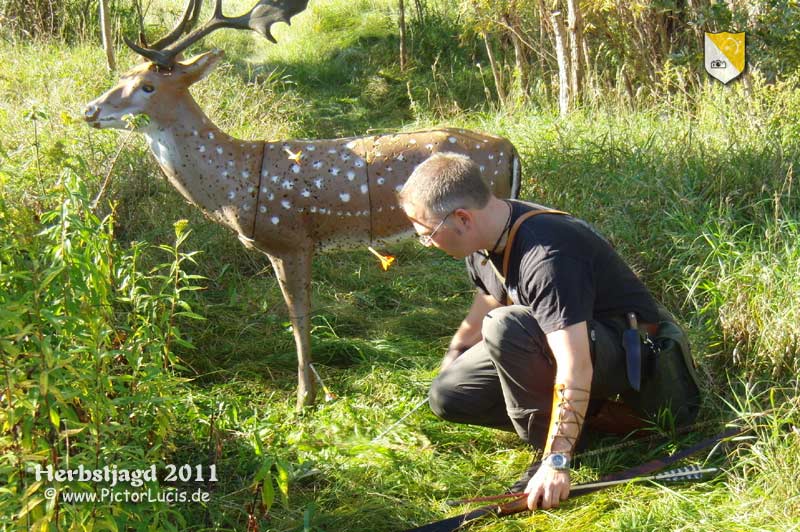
x=293 y=271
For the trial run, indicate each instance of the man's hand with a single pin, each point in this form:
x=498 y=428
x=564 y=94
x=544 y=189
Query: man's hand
x=547 y=488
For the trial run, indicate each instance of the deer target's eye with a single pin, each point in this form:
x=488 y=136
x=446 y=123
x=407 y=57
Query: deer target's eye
x=148 y=88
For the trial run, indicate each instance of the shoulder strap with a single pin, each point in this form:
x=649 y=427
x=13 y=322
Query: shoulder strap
x=507 y=253
x=513 y=232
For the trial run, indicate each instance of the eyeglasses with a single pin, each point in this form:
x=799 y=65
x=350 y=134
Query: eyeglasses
x=427 y=240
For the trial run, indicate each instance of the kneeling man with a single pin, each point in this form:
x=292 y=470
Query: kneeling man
x=559 y=323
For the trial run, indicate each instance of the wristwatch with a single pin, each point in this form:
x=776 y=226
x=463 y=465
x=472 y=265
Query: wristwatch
x=557 y=461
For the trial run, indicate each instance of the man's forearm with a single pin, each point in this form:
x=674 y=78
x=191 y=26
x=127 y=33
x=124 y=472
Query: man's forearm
x=574 y=371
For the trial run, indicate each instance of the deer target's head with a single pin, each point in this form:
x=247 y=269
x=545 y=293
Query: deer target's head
x=149 y=89
x=153 y=88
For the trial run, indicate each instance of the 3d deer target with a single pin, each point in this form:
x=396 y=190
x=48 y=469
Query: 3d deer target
x=286 y=198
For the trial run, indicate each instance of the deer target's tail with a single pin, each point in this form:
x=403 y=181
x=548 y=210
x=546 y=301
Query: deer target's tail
x=516 y=179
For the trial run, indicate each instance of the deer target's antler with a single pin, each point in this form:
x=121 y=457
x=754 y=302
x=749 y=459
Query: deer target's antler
x=260 y=18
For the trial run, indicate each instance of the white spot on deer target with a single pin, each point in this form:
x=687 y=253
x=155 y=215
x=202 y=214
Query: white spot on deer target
x=381 y=181
x=344 y=196
x=262 y=209
x=306 y=193
x=275 y=178
x=287 y=185
x=364 y=189
x=231 y=194
x=210 y=135
x=318 y=182
x=296 y=168
x=316 y=165
x=335 y=171
x=451 y=140
x=286 y=204
x=219 y=150
x=201 y=149
x=275 y=220
x=359 y=163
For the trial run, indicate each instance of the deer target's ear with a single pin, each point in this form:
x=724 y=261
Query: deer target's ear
x=200 y=66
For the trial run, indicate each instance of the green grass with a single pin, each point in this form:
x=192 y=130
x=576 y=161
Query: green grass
x=698 y=194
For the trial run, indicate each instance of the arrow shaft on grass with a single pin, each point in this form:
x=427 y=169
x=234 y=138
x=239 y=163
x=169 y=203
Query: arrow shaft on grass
x=396 y=423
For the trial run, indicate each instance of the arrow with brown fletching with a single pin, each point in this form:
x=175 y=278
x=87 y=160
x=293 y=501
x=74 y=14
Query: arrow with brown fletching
x=634 y=473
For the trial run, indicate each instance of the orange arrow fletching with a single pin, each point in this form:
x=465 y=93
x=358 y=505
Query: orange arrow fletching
x=296 y=157
x=386 y=260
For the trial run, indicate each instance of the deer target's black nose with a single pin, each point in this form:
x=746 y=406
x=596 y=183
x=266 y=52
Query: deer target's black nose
x=90 y=113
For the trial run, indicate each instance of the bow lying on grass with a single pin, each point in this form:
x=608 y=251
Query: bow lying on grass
x=634 y=473
x=673 y=475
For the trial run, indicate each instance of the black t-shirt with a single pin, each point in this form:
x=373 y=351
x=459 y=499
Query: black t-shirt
x=565 y=271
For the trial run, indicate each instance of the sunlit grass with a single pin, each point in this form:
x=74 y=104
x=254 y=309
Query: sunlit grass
x=698 y=194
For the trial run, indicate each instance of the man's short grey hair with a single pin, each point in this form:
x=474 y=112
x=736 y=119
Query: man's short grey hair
x=445 y=182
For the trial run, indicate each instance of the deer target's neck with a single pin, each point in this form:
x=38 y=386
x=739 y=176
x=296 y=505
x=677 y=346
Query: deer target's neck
x=211 y=169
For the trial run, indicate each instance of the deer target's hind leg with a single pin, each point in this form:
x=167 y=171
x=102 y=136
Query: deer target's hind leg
x=293 y=271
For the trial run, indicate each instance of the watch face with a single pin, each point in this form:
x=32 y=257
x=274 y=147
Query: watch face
x=558 y=461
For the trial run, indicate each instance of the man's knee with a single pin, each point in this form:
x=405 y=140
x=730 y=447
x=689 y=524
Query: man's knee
x=442 y=399
x=507 y=330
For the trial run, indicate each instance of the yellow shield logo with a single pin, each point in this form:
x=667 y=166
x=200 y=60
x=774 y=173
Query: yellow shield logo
x=724 y=55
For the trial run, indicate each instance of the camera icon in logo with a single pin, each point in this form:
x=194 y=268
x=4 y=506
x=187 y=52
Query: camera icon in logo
x=718 y=63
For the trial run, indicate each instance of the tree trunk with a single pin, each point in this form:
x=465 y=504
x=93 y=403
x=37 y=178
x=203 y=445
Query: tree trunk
x=498 y=76
x=561 y=57
x=105 y=31
x=575 y=24
x=402 y=6
x=520 y=61
x=589 y=77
